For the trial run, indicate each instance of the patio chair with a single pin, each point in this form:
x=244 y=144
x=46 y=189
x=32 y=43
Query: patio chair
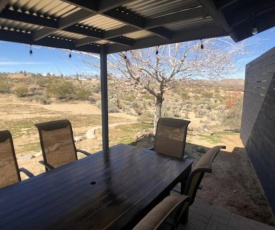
x=173 y=205
x=9 y=171
x=170 y=137
x=190 y=187
x=174 y=209
x=57 y=143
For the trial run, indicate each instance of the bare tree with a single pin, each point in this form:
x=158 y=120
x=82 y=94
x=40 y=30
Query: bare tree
x=155 y=69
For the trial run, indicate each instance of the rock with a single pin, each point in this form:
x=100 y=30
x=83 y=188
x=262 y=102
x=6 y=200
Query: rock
x=37 y=154
x=80 y=138
x=25 y=158
x=91 y=134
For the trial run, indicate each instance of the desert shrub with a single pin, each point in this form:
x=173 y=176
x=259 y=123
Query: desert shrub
x=113 y=109
x=233 y=116
x=137 y=107
x=96 y=88
x=32 y=89
x=83 y=93
x=45 y=100
x=21 y=91
x=92 y=99
x=207 y=94
x=5 y=86
x=62 y=90
x=147 y=117
x=43 y=81
x=184 y=95
x=98 y=104
x=148 y=96
x=129 y=97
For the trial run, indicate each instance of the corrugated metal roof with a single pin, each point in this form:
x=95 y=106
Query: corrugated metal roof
x=139 y=34
x=156 y=8
x=102 y=22
x=124 y=26
x=18 y=25
x=48 y=7
x=183 y=25
x=69 y=35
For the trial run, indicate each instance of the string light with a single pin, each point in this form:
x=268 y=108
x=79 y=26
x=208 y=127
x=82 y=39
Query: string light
x=254 y=30
x=30 y=52
x=157 y=51
x=202 y=45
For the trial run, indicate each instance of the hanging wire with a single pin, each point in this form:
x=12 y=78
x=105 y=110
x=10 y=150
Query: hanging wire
x=70 y=54
x=202 y=44
x=30 y=52
x=125 y=57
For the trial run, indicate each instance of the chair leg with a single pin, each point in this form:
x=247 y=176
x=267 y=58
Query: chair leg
x=182 y=186
x=184 y=218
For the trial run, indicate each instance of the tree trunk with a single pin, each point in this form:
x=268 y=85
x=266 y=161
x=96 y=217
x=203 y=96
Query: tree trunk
x=158 y=106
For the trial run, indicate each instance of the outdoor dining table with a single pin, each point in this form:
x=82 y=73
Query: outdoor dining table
x=109 y=190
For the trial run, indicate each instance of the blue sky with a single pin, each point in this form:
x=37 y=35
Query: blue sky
x=15 y=57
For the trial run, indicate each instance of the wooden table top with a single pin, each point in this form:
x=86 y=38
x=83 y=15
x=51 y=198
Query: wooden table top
x=103 y=191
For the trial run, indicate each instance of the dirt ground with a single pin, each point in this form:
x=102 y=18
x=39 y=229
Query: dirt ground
x=233 y=185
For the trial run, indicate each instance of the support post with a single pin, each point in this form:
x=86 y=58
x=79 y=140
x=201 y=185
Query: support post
x=104 y=98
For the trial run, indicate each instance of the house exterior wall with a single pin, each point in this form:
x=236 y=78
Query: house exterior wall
x=258 y=120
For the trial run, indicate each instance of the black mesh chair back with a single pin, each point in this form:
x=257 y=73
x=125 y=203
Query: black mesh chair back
x=57 y=143
x=171 y=137
x=9 y=172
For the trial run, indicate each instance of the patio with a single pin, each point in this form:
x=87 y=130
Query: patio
x=105 y=27
x=206 y=217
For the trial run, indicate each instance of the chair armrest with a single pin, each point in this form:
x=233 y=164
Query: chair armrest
x=84 y=152
x=160 y=212
x=27 y=172
x=48 y=166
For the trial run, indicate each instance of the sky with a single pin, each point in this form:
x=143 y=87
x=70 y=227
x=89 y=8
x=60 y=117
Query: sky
x=15 y=57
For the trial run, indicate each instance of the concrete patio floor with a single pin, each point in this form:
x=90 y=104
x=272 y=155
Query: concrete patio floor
x=205 y=217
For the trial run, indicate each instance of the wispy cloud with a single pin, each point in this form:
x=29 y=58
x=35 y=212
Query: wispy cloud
x=22 y=63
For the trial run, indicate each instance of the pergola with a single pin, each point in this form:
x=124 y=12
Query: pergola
x=110 y=26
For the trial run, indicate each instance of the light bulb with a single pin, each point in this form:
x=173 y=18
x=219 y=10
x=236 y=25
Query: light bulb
x=254 y=30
